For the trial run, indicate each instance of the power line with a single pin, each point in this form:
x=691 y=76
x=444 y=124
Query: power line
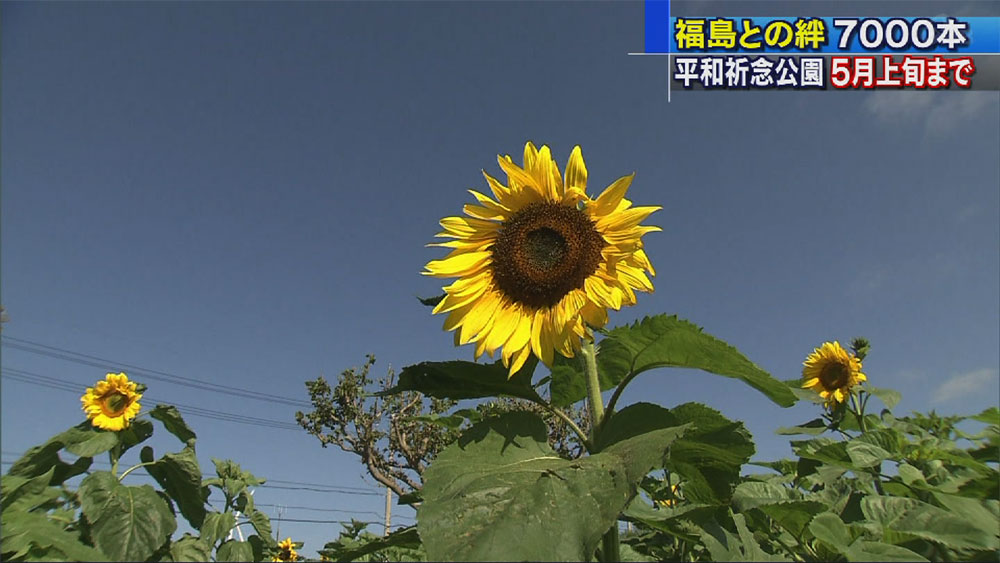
x=110 y=365
x=65 y=385
x=316 y=487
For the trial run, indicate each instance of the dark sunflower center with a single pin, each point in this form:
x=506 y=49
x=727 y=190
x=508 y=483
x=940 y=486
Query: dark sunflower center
x=545 y=251
x=834 y=376
x=545 y=248
x=116 y=403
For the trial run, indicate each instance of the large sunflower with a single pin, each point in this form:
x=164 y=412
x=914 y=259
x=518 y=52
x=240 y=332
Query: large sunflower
x=113 y=403
x=832 y=372
x=542 y=261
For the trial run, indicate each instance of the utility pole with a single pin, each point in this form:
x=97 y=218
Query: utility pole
x=281 y=510
x=388 y=509
x=236 y=528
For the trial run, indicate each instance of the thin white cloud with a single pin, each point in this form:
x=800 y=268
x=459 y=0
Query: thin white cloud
x=965 y=384
x=941 y=112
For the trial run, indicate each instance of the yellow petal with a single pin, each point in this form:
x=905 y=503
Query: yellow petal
x=517 y=176
x=480 y=212
x=508 y=197
x=548 y=174
x=458 y=264
x=466 y=227
x=541 y=337
x=594 y=315
x=477 y=318
x=455 y=300
x=487 y=201
x=530 y=156
x=518 y=360
x=626 y=219
x=612 y=195
x=504 y=322
x=600 y=293
x=634 y=277
x=576 y=170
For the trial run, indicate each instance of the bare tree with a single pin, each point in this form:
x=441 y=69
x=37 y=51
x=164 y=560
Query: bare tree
x=394 y=435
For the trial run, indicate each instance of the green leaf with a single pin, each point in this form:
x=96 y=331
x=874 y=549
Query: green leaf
x=234 y=550
x=26 y=531
x=180 y=477
x=257 y=545
x=753 y=494
x=500 y=492
x=889 y=397
x=917 y=518
x=671 y=520
x=39 y=459
x=825 y=450
x=863 y=454
x=709 y=455
x=814 y=427
x=794 y=516
x=86 y=441
x=983 y=514
x=126 y=523
x=465 y=380
x=784 y=505
x=138 y=432
x=989 y=416
x=665 y=341
x=21 y=493
x=862 y=550
x=431 y=301
x=828 y=528
x=405 y=538
x=216 y=526
x=723 y=545
x=262 y=524
x=190 y=548
x=174 y=423
x=410 y=498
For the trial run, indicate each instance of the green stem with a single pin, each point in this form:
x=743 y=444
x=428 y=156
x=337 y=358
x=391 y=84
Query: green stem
x=594 y=401
x=609 y=543
x=618 y=390
x=134 y=467
x=859 y=413
x=569 y=422
x=114 y=454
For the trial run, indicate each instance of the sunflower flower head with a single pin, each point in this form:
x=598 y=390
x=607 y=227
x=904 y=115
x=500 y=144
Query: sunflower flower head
x=286 y=551
x=832 y=372
x=540 y=261
x=668 y=502
x=113 y=403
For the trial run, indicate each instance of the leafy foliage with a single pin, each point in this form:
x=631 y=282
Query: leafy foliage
x=502 y=485
x=661 y=341
x=105 y=519
x=357 y=544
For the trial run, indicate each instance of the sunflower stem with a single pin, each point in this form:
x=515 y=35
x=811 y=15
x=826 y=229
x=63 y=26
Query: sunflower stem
x=609 y=543
x=134 y=467
x=594 y=401
x=569 y=422
x=114 y=454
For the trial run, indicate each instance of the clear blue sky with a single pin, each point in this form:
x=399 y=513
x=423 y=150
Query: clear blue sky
x=240 y=193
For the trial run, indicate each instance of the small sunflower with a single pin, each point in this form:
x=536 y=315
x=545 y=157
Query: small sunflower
x=668 y=502
x=542 y=261
x=832 y=372
x=286 y=551
x=113 y=403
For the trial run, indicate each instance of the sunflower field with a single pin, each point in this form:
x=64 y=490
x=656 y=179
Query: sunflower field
x=536 y=269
